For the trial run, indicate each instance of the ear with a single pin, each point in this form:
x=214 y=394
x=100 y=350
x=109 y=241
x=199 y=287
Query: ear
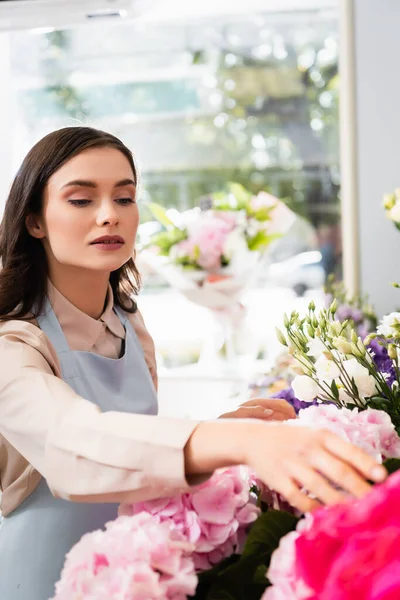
x=34 y=226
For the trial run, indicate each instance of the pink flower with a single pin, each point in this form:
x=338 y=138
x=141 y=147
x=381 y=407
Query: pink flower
x=207 y=237
x=214 y=516
x=371 y=430
x=347 y=551
x=286 y=584
x=135 y=558
x=263 y=200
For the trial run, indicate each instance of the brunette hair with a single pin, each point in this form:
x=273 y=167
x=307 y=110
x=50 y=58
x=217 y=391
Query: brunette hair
x=24 y=268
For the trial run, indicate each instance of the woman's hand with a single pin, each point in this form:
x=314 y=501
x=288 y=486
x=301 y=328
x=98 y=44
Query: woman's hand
x=297 y=462
x=268 y=409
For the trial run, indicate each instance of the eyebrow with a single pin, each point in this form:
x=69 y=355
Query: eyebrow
x=93 y=184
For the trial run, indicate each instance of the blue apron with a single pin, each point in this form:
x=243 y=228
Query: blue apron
x=36 y=536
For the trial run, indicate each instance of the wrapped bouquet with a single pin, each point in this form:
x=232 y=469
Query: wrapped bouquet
x=212 y=253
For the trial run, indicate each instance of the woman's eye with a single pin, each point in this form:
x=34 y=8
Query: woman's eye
x=125 y=200
x=79 y=202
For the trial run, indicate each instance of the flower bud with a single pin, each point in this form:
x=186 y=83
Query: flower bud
x=280 y=336
x=333 y=307
x=342 y=345
x=389 y=200
x=361 y=347
x=392 y=351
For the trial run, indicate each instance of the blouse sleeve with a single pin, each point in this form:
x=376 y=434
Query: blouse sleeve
x=84 y=455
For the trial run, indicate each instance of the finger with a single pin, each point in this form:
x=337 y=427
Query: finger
x=255 y=412
x=354 y=456
x=341 y=473
x=316 y=485
x=297 y=499
x=252 y=412
x=279 y=416
x=276 y=404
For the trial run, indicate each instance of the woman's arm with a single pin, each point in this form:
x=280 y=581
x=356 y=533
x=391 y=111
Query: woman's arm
x=84 y=454
x=90 y=456
x=288 y=459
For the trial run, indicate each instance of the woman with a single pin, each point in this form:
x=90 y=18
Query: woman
x=78 y=431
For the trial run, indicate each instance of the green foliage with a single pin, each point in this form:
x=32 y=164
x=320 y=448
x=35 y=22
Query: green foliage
x=160 y=214
x=262 y=240
x=166 y=239
x=392 y=465
x=244 y=577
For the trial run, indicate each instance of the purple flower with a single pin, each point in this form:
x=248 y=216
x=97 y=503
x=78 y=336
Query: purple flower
x=288 y=395
x=345 y=311
x=383 y=361
x=364 y=329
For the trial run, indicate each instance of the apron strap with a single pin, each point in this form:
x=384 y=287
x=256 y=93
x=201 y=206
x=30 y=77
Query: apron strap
x=49 y=324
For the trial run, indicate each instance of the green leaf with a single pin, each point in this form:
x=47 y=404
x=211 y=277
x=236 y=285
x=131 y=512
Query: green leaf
x=221 y=591
x=166 y=239
x=212 y=574
x=267 y=531
x=243 y=577
x=262 y=240
x=335 y=390
x=240 y=193
x=392 y=465
x=160 y=214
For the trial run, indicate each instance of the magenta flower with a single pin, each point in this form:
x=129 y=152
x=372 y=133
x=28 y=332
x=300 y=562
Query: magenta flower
x=347 y=551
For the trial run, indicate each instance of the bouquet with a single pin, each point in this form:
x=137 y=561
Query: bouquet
x=212 y=253
x=222 y=232
x=335 y=365
x=359 y=316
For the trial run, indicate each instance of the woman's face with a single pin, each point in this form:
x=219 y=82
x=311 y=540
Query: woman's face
x=90 y=216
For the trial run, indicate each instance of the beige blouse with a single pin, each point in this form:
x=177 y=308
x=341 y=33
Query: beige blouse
x=48 y=430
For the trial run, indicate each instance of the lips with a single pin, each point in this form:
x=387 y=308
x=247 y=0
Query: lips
x=109 y=240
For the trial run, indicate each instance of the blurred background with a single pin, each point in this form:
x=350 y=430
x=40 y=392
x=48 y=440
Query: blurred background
x=226 y=91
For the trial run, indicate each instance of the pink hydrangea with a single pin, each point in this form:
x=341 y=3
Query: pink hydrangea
x=286 y=585
x=350 y=550
x=135 y=558
x=370 y=429
x=214 y=516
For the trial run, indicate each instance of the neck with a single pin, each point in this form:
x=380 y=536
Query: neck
x=85 y=289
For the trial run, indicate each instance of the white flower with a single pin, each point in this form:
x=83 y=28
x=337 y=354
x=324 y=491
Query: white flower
x=365 y=383
x=386 y=328
x=344 y=396
x=326 y=369
x=394 y=213
x=342 y=345
x=235 y=243
x=304 y=388
x=315 y=347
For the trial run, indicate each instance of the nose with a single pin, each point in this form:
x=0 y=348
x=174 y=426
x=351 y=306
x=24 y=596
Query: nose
x=107 y=214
